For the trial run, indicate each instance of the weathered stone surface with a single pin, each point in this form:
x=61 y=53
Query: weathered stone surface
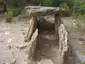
x=63 y=44
x=13 y=61
x=32 y=45
x=58 y=22
x=65 y=48
x=45 y=61
x=32 y=28
x=41 y=10
x=33 y=12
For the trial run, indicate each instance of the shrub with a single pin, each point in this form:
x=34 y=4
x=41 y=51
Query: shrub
x=47 y=2
x=16 y=11
x=69 y=3
x=79 y=6
x=8 y=16
x=67 y=9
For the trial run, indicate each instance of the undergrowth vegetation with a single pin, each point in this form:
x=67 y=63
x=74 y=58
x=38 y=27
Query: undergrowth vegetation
x=67 y=9
x=47 y=2
x=72 y=7
x=8 y=16
x=16 y=11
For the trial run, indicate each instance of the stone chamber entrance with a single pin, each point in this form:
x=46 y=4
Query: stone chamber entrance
x=47 y=42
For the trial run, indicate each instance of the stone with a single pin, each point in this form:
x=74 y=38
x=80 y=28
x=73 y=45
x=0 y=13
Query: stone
x=30 y=50
x=23 y=33
x=7 y=33
x=63 y=44
x=32 y=28
x=13 y=61
x=41 y=10
x=21 y=46
x=80 y=42
x=9 y=46
x=9 y=41
x=45 y=61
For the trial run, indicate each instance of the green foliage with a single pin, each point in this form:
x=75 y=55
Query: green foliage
x=69 y=3
x=47 y=2
x=8 y=16
x=16 y=11
x=16 y=3
x=67 y=9
x=82 y=17
x=75 y=6
x=79 y=6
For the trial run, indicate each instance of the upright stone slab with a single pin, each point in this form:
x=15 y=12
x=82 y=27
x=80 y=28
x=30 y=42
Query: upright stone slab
x=32 y=28
x=58 y=22
x=63 y=44
x=32 y=47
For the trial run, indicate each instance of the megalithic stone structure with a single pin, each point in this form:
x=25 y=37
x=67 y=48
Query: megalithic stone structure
x=34 y=11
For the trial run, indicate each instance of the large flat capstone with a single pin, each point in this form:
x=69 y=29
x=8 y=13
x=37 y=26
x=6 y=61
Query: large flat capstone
x=41 y=10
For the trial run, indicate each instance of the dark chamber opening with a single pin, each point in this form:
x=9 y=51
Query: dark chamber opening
x=47 y=43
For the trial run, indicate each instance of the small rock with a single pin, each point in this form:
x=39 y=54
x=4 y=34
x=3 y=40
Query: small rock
x=26 y=39
x=13 y=61
x=6 y=33
x=9 y=46
x=21 y=46
x=9 y=41
x=45 y=61
x=23 y=33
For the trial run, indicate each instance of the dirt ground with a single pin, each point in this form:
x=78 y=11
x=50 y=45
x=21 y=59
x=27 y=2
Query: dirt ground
x=76 y=38
x=12 y=36
x=47 y=51
x=47 y=47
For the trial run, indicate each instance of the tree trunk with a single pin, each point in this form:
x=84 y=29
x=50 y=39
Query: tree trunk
x=4 y=6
